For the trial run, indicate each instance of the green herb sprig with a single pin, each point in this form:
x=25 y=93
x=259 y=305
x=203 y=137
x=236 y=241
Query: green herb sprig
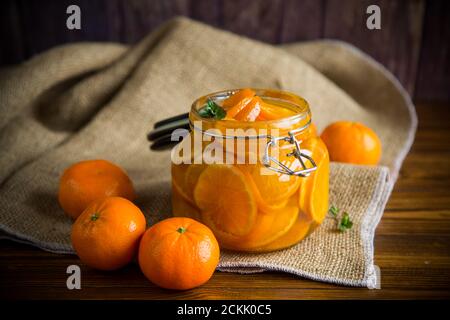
x=345 y=223
x=212 y=110
x=334 y=211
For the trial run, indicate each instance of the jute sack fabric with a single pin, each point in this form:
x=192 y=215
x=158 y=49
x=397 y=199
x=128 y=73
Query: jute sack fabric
x=91 y=100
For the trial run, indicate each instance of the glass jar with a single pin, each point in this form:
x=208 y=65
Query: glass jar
x=260 y=186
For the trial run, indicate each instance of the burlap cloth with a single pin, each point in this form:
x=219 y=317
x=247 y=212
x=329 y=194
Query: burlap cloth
x=92 y=100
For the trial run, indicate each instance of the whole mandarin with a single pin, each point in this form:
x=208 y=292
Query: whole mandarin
x=178 y=253
x=352 y=142
x=106 y=235
x=86 y=181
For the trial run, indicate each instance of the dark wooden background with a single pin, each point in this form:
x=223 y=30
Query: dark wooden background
x=413 y=42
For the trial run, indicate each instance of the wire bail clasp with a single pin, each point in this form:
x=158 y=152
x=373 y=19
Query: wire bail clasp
x=267 y=159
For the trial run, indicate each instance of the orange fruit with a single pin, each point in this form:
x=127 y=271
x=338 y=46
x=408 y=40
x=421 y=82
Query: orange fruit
x=178 y=253
x=235 y=103
x=352 y=142
x=106 y=235
x=225 y=200
x=86 y=181
x=183 y=208
x=313 y=197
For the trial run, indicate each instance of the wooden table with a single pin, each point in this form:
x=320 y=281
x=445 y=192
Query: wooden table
x=412 y=246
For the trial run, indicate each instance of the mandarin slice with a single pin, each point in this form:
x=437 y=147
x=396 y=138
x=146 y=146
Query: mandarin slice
x=225 y=200
x=178 y=171
x=237 y=102
x=299 y=231
x=178 y=175
x=267 y=228
x=310 y=132
x=260 y=117
x=313 y=196
x=184 y=175
x=181 y=207
x=191 y=177
x=251 y=110
x=313 y=129
x=272 y=112
x=275 y=187
x=264 y=205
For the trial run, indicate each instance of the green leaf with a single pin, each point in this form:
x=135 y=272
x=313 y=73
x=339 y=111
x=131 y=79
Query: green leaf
x=212 y=110
x=345 y=222
x=219 y=113
x=205 y=112
x=333 y=211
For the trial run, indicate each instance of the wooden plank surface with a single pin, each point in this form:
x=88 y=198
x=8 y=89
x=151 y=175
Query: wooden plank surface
x=396 y=45
x=433 y=79
x=11 y=33
x=412 y=247
x=32 y=26
x=258 y=19
x=302 y=20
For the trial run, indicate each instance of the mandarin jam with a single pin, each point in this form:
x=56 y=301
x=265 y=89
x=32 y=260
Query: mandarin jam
x=224 y=182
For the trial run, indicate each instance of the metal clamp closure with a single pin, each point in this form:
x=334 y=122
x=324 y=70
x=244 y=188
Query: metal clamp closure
x=268 y=160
